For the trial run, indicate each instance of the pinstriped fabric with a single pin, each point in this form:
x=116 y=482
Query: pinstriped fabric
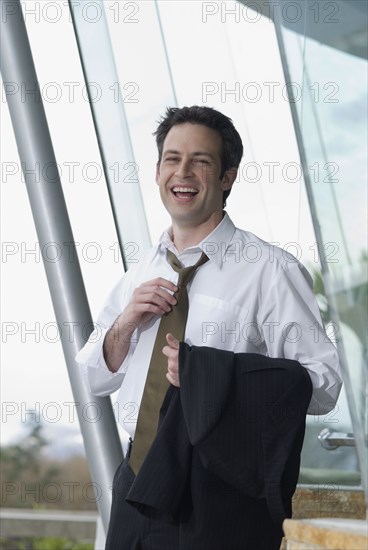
x=222 y=518
x=128 y=529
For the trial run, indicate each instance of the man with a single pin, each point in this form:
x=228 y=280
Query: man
x=247 y=297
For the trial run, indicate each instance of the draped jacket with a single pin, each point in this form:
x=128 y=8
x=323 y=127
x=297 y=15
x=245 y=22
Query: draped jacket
x=245 y=415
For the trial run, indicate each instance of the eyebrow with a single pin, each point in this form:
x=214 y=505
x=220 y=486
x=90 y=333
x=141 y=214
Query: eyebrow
x=195 y=154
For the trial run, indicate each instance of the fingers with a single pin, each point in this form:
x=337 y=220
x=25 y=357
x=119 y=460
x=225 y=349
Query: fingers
x=154 y=297
x=174 y=380
x=172 y=365
x=171 y=351
x=160 y=282
x=153 y=293
x=172 y=341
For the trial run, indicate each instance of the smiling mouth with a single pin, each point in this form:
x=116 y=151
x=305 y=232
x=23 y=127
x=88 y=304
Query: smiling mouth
x=184 y=192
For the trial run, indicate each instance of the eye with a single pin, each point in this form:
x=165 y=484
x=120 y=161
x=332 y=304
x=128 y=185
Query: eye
x=201 y=161
x=171 y=159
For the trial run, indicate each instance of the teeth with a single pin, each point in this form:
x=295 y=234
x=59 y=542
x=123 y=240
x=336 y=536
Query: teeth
x=184 y=190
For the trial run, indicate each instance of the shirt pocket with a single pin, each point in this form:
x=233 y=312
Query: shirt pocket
x=214 y=322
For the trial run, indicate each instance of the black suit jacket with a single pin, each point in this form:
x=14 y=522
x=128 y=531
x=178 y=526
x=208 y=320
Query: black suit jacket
x=245 y=415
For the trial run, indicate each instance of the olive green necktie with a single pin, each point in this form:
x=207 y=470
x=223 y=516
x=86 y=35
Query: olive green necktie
x=156 y=383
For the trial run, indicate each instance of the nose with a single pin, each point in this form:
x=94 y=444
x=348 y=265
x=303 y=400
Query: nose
x=184 y=169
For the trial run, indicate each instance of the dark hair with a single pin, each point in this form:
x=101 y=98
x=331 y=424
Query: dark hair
x=232 y=146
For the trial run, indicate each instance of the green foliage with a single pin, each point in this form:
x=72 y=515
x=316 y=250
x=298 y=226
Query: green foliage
x=54 y=543
x=26 y=456
x=51 y=543
x=30 y=479
x=46 y=543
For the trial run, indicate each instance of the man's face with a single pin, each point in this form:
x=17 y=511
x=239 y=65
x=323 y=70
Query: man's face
x=189 y=174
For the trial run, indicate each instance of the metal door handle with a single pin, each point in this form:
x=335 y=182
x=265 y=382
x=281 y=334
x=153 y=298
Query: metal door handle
x=332 y=440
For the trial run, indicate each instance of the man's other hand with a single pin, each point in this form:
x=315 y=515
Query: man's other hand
x=172 y=353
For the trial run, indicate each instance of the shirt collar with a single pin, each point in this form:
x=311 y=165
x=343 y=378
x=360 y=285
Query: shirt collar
x=214 y=245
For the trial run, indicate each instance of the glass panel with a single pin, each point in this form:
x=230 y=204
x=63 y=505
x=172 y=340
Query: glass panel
x=332 y=117
x=107 y=104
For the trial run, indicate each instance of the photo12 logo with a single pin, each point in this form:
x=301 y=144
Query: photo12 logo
x=288 y=12
x=61 y=11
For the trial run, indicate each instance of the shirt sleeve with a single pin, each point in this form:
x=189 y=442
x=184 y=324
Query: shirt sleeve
x=292 y=328
x=99 y=379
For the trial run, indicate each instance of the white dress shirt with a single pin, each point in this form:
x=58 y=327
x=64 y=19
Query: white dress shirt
x=249 y=297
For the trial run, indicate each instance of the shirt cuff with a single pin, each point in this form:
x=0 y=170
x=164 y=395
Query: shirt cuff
x=99 y=379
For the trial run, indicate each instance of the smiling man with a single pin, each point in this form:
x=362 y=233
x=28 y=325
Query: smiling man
x=216 y=287
x=192 y=181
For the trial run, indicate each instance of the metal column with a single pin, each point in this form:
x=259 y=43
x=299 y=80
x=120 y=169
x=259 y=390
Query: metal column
x=53 y=226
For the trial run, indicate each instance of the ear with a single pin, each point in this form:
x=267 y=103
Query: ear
x=228 y=179
x=157 y=172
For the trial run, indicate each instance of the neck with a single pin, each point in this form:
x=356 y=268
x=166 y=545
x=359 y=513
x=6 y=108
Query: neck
x=187 y=236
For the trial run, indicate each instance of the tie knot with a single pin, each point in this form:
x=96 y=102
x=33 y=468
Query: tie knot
x=185 y=273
